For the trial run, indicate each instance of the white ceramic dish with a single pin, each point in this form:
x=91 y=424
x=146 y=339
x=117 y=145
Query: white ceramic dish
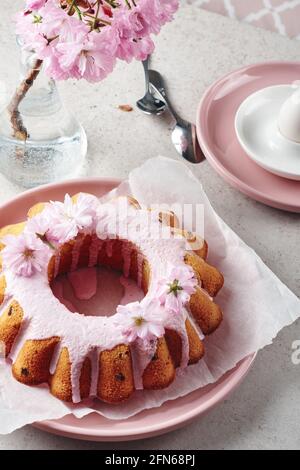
x=257 y=130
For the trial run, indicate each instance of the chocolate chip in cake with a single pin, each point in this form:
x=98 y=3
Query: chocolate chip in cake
x=120 y=377
x=10 y=311
x=123 y=354
x=24 y=372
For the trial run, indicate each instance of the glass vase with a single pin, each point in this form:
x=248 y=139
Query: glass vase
x=40 y=141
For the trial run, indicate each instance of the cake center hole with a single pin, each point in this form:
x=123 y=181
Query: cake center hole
x=95 y=291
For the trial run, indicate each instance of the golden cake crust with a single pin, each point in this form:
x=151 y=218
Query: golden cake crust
x=160 y=372
x=32 y=366
x=10 y=324
x=115 y=379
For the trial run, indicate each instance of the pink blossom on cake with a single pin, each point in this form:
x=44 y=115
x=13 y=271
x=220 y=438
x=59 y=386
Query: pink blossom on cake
x=25 y=254
x=175 y=291
x=138 y=320
x=40 y=226
x=68 y=217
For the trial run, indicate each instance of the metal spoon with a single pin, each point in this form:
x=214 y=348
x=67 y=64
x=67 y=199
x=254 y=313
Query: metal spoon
x=184 y=135
x=149 y=104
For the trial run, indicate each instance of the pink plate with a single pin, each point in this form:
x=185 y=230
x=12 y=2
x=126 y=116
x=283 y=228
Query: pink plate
x=171 y=415
x=216 y=133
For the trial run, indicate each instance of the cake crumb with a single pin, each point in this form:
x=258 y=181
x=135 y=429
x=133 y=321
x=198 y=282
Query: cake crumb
x=126 y=108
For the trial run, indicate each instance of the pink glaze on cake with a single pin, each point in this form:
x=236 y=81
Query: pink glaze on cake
x=84 y=283
x=86 y=336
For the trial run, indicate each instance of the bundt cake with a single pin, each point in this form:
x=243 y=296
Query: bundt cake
x=142 y=344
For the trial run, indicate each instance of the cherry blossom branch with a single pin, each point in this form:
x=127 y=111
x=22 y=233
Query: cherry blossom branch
x=19 y=130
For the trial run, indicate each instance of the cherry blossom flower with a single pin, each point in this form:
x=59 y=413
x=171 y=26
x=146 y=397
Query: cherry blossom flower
x=40 y=225
x=50 y=56
x=174 y=291
x=56 y=22
x=27 y=28
x=83 y=39
x=25 y=254
x=35 y=4
x=69 y=217
x=91 y=56
x=138 y=320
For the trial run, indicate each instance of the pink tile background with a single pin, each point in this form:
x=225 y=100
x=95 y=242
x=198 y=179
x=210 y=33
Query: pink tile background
x=281 y=16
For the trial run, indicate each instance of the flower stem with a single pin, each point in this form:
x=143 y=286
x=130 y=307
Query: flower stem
x=73 y=5
x=112 y=3
x=108 y=23
x=96 y=15
x=19 y=130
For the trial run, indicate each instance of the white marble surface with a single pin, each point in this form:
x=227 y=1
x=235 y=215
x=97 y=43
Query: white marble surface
x=199 y=47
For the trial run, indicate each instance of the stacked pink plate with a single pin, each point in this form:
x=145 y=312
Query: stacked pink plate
x=217 y=135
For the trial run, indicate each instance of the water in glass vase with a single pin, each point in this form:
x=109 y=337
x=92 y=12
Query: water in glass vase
x=40 y=141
